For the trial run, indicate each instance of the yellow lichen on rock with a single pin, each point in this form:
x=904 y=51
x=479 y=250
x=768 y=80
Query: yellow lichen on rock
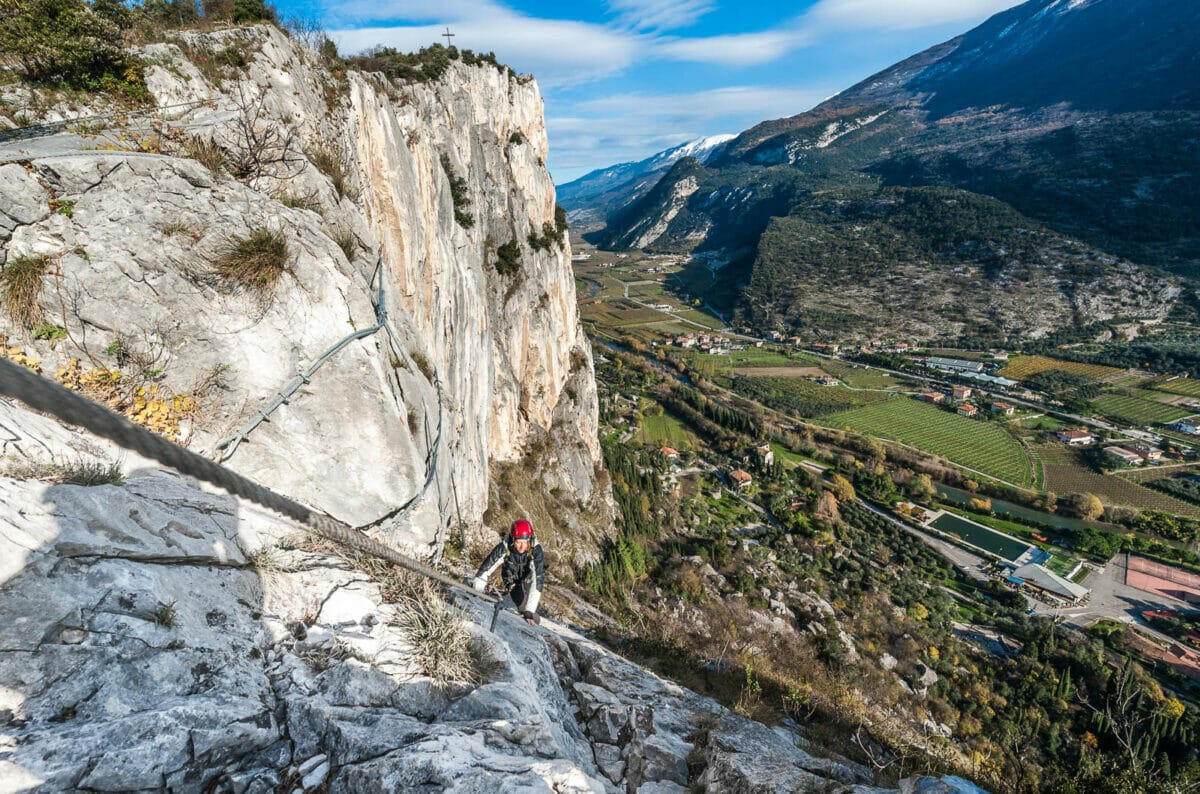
x=17 y=356
x=149 y=406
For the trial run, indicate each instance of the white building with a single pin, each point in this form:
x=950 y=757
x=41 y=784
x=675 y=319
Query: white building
x=1042 y=578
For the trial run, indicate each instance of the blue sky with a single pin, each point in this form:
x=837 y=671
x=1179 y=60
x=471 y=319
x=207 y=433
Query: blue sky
x=623 y=79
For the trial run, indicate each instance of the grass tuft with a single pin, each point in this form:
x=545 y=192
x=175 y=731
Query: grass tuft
x=255 y=262
x=163 y=614
x=443 y=647
x=333 y=165
x=346 y=241
x=422 y=364
x=206 y=152
x=177 y=227
x=322 y=657
x=265 y=560
x=86 y=473
x=20 y=288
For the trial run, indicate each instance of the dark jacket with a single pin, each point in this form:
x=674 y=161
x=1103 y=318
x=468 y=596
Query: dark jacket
x=524 y=572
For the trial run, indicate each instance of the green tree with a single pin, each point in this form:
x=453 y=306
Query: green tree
x=61 y=41
x=252 y=11
x=921 y=486
x=1087 y=506
x=841 y=488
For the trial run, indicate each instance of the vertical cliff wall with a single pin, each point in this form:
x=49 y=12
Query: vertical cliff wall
x=428 y=179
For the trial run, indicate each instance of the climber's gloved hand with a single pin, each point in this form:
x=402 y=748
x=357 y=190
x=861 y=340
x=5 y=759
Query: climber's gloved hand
x=531 y=618
x=479 y=583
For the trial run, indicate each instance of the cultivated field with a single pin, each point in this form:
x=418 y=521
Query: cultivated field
x=752 y=357
x=973 y=443
x=1027 y=366
x=1138 y=410
x=1064 y=475
x=663 y=429
x=1158 y=472
x=1042 y=422
x=780 y=372
x=700 y=318
x=618 y=314
x=1189 y=387
x=860 y=377
x=807 y=398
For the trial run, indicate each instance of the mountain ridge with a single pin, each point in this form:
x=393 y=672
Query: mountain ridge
x=1005 y=110
x=591 y=197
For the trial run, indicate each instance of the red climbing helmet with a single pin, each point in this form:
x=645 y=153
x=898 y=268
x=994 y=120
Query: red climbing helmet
x=522 y=529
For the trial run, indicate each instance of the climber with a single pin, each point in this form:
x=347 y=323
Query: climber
x=523 y=571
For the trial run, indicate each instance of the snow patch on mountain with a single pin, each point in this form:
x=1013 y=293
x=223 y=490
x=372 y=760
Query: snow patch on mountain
x=703 y=149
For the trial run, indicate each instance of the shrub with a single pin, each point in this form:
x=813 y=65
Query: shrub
x=20 y=287
x=66 y=42
x=552 y=233
x=255 y=262
x=458 y=192
x=253 y=11
x=50 y=333
x=169 y=13
x=426 y=64
x=508 y=259
x=261 y=148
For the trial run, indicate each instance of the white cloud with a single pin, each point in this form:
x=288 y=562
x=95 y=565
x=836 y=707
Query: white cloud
x=742 y=49
x=656 y=15
x=894 y=15
x=706 y=105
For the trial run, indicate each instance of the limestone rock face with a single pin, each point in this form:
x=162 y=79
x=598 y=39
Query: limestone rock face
x=398 y=428
x=154 y=634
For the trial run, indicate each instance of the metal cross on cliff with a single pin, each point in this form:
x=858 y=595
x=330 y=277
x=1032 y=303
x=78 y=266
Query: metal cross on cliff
x=448 y=35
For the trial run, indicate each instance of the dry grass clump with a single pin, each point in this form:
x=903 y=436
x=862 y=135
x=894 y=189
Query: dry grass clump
x=333 y=165
x=322 y=657
x=346 y=241
x=20 y=287
x=444 y=649
x=266 y=561
x=80 y=472
x=206 y=152
x=255 y=262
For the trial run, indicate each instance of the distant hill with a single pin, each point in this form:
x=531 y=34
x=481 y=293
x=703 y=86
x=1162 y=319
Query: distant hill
x=589 y=199
x=1082 y=118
